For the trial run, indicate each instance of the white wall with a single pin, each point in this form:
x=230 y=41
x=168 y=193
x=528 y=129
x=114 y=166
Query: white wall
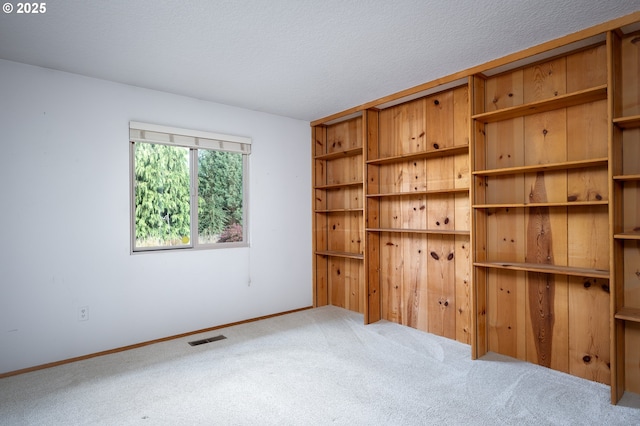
x=64 y=191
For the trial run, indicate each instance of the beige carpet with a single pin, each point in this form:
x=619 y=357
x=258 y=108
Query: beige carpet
x=314 y=367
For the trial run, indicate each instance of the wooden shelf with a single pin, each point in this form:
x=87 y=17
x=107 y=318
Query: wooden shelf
x=340 y=154
x=627 y=177
x=443 y=152
x=342 y=254
x=547 y=269
x=427 y=192
x=565 y=165
x=563 y=101
x=338 y=185
x=630 y=235
x=531 y=205
x=628 y=314
x=339 y=210
x=419 y=231
x=630 y=122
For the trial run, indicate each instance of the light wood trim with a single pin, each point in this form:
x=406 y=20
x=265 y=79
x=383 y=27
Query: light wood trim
x=342 y=254
x=339 y=210
x=419 y=231
x=631 y=122
x=427 y=192
x=142 y=344
x=338 y=185
x=373 y=307
x=461 y=149
x=565 y=165
x=627 y=177
x=628 y=314
x=478 y=69
x=340 y=154
x=530 y=205
x=337 y=115
x=630 y=235
x=563 y=101
x=616 y=297
x=547 y=269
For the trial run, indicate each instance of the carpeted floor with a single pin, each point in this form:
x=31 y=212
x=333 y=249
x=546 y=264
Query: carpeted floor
x=314 y=367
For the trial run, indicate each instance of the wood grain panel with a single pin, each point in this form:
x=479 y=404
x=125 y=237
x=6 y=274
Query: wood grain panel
x=545 y=80
x=546 y=293
x=439 y=121
x=506 y=235
x=441 y=285
x=463 y=289
x=631 y=206
x=504 y=91
x=587 y=129
x=415 y=303
x=321 y=294
x=631 y=278
x=545 y=137
x=506 y=316
x=402 y=129
x=631 y=151
x=589 y=355
x=588 y=237
x=630 y=71
x=336 y=282
x=632 y=356
x=344 y=135
x=391 y=265
x=587 y=68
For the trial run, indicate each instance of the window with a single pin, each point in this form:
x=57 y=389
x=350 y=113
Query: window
x=188 y=188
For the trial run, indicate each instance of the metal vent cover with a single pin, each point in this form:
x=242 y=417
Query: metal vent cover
x=207 y=340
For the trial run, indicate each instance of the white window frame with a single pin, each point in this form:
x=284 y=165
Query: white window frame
x=194 y=140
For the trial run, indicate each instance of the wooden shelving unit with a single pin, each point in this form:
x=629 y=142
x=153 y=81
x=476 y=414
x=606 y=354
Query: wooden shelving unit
x=498 y=206
x=418 y=231
x=540 y=210
x=339 y=215
x=625 y=141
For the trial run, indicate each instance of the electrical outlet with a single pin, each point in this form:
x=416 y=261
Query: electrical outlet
x=83 y=313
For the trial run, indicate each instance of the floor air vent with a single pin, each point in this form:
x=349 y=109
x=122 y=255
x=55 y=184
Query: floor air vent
x=207 y=340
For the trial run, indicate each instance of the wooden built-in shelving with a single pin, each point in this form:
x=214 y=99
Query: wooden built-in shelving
x=545 y=269
x=632 y=122
x=628 y=314
x=499 y=207
x=342 y=254
x=419 y=231
x=428 y=192
x=532 y=205
x=339 y=185
x=562 y=101
x=339 y=210
x=625 y=213
x=541 y=213
x=435 y=153
x=338 y=206
x=340 y=154
x=566 y=165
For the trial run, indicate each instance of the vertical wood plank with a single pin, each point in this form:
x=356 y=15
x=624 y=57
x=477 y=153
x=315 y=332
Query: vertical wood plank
x=441 y=287
x=545 y=80
x=463 y=289
x=587 y=68
x=589 y=356
x=630 y=69
x=632 y=356
x=541 y=288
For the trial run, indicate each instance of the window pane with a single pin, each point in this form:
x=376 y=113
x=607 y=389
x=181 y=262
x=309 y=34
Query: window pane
x=162 y=195
x=220 y=194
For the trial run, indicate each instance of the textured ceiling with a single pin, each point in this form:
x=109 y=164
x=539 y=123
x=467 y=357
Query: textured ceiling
x=304 y=59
